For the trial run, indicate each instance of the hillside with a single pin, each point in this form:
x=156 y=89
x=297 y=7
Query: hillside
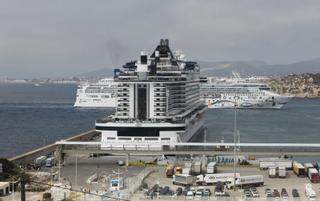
x=303 y=85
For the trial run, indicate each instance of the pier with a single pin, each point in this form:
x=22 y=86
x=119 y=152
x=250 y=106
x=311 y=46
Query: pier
x=27 y=157
x=193 y=148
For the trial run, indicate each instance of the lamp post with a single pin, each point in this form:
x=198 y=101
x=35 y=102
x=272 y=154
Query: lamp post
x=235 y=141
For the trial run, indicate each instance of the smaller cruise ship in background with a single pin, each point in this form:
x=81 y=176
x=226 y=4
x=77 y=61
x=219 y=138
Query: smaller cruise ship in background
x=102 y=93
x=240 y=92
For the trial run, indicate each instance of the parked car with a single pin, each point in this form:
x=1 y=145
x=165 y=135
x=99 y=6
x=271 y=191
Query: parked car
x=295 y=193
x=207 y=192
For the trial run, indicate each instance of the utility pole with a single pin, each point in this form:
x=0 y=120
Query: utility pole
x=235 y=143
x=76 y=172
x=23 y=189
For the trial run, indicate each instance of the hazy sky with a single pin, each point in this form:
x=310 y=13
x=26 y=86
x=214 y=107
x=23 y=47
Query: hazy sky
x=67 y=37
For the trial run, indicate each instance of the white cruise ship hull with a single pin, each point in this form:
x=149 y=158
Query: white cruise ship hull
x=277 y=103
x=113 y=138
x=100 y=103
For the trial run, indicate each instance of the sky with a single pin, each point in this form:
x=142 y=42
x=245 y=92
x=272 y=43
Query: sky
x=62 y=38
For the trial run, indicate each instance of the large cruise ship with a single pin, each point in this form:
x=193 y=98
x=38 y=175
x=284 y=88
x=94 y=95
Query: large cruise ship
x=97 y=94
x=241 y=93
x=157 y=101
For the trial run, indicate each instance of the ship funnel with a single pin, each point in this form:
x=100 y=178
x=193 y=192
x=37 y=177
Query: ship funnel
x=166 y=42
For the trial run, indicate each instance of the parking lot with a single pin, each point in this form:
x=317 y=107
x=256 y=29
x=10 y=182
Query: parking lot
x=273 y=188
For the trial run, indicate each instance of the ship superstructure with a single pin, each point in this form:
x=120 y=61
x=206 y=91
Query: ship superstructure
x=157 y=100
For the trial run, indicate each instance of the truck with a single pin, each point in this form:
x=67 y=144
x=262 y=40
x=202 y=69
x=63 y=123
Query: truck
x=282 y=172
x=186 y=171
x=212 y=168
x=306 y=167
x=313 y=175
x=251 y=180
x=211 y=179
x=219 y=189
x=50 y=162
x=298 y=169
x=177 y=170
x=40 y=161
x=265 y=163
x=183 y=179
x=196 y=168
x=169 y=170
x=310 y=193
x=272 y=172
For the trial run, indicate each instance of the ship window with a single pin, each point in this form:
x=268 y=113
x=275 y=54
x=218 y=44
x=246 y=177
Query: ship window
x=124 y=138
x=151 y=138
x=138 y=138
x=111 y=138
x=165 y=138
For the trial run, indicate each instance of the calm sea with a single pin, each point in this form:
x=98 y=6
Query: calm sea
x=33 y=116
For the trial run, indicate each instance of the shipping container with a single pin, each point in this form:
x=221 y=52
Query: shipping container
x=212 y=168
x=313 y=175
x=306 y=167
x=196 y=168
x=282 y=172
x=186 y=171
x=183 y=179
x=265 y=163
x=272 y=172
x=298 y=169
x=177 y=170
x=169 y=170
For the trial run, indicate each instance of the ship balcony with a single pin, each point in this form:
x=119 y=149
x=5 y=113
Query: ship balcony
x=122 y=109
x=159 y=86
x=120 y=95
x=160 y=91
x=123 y=85
x=177 y=97
x=160 y=110
x=160 y=100
x=123 y=100
x=160 y=95
x=160 y=105
x=123 y=105
x=122 y=90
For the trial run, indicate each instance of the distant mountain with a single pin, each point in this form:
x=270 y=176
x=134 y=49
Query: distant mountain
x=225 y=68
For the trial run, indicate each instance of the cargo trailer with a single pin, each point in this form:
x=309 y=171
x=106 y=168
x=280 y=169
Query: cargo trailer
x=251 y=180
x=272 y=172
x=282 y=172
x=212 y=168
x=183 y=179
x=211 y=179
x=313 y=175
x=298 y=169
x=196 y=168
x=307 y=166
x=265 y=163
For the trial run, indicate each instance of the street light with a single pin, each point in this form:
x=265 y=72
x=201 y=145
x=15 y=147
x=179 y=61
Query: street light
x=235 y=141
